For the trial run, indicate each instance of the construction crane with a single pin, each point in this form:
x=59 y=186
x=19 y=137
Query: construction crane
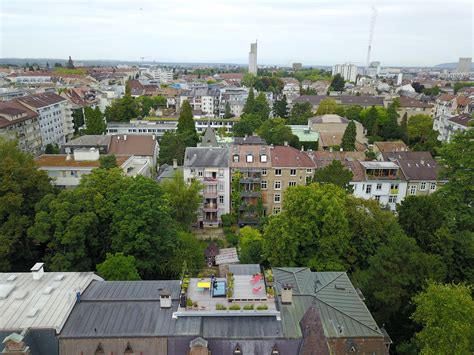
x=371 y=34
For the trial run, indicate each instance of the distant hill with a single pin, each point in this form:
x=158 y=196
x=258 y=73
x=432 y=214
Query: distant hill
x=450 y=66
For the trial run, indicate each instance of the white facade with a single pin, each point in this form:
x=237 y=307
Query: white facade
x=56 y=123
x=253 y=58
x=464 y=65
x=33 y=79
x=162 y=75
x=347 y=71
x=388 y=193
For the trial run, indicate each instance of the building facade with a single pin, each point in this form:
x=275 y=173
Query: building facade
x=347 y=71
x=253 y=58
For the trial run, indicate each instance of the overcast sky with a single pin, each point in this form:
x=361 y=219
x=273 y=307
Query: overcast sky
x=318 y=32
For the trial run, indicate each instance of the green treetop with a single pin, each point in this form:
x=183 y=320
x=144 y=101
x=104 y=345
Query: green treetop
x=349 y=137
x=118 y=267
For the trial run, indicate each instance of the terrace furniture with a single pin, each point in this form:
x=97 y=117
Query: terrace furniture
x=256 y=289
x=204 y=284
x=256 y=278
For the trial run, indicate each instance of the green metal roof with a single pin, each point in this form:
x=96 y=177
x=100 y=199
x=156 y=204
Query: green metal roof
x=343 y=313
x=303 y=133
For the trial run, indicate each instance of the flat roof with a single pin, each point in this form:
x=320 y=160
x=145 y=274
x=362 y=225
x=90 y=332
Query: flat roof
x=379 y=165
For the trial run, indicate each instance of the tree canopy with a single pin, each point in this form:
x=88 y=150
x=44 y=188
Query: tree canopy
x=250 y=246
x=94 y=120
x=336 y=174
x=327 y=106
x=275 y=131
x=337 y=83
x=349 y=137
x=118 y=267
x=299 y=113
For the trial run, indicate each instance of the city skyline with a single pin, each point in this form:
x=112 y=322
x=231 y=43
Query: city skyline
x=202 y=32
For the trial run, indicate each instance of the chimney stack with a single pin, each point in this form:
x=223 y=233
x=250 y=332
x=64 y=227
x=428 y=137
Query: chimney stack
x=175 y=164
x=287 y=294
x=15 y=344
x=285 y=143
x=165 y=298
x=124 y=137
x=37 y=271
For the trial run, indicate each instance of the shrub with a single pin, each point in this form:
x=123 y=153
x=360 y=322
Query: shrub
x=270 y=291
x=235 y=307
x=220 y=307
x=189 y=302
x=248 y=307
x=195 y=304
x=262 y=307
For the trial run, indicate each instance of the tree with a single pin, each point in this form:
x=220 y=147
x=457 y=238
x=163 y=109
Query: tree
x=250 y=246
x=148 y=103
x=446 y=313
x=249 y=103
x=95 y=123
x=78 y=119
x=228 y=113
x=336 y=174
x=118 y=267
x=349 y=137
x=337 y=83
x=280 y=108
x=172 y=147
x=127 y=106
x=186 y=127
x=276 y=132
x=248 y=124
x=108 y=161
x=51 y=148
x=261 y=107
x=22 y=186
x=404 y=128
x=418 y=87
x=353 y=112
x=189 y=250
x=390 y=129
x=326 y=106
x=183 y=199
x=311 y=231
x=421 y=135
x=249 y=80
x=300 y=112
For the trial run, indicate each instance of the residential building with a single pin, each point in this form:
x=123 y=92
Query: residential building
x=235 y=97
x=464 y=65
x=452 y=113
x=381 y=181
x=347 y=71
x=289 y=167
x=66 y=170
x=28 y=78
x=253 y=58
x=210 y=166
x=449 y=126
x=35 y=306
x=202 y=98
x=312 y=313
x=291 y=87
x=419 y=169
x=55 y=117
x=410 y=107
x=162 y=75
x=390 y=147
x=21 y=123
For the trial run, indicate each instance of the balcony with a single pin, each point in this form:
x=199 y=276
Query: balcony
x=393 y=191
x=209 y=194
x=250 y=193
x=250 y=180
x=210 y=207
x=210 y=181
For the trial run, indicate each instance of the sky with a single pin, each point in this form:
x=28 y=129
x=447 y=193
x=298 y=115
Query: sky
x=313 y=32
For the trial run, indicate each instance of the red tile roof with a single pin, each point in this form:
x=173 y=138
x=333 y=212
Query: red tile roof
x=289 y=157
x=133 y=144
x=57 y=160
x=409 y=102
x=14 y=108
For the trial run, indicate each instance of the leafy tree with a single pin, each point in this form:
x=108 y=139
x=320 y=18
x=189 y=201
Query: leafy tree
x=349 y=137
x=404 y=128
x=275 y=131
x=186 y=127
x=78 y=119
x=249 y=103
x=312 y=230
x=421 y=134
x=248 y=124
x=280 y=108
x=108 y=161
x=183 y=199
x=118 y=267
x=22 y=186
x=327 y=106
x=124 y=109
x=188 y=250
x=434 y=91
x=459 y=85
x=269 y=83
x=142 y=226
x=228 y=113
x=51 y=148
x=95 y=123
x=300 y=112
x=418 y=87
x=337 y=83
x=352 y=112
x=250 y=246
x=446 y=313
x=148 y=103
x=249 y=80
x=390 y=129
x=261 y=107
x=336 y=174
x=172 y=147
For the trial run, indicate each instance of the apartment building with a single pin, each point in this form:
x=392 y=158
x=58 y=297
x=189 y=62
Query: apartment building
x=411 y=107
x=290 y=167
x=381 y=181
x=235 y=97
x=210 y=166
x=21 y=123
x=55 y=117
x=203 y=99
x=347 y=71
x=452 y=114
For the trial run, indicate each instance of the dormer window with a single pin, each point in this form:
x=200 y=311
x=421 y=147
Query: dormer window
x=237 y=350
x=263 y=158
x=235 y=158
x=249 y=158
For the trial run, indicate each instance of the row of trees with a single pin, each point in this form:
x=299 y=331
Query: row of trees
x=411 y=268
x=108 y=213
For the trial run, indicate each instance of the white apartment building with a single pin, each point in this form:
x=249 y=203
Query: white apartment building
x=55 y=117
x=162 y=75
x=33 y=79
x=347 y=71
x=236 y=97
x=210 y=166
x=381 y=181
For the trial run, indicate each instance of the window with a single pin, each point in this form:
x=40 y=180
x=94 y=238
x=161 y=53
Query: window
x=276 y=210
x=292 y=172
x=263 y=158
x=379 y=186
x=412 y=189
x=277 y=172
x=291 y=183
x=368 y=189
x=393 y=186
x=423 y=186
x=277 y=185
x=235 y=158
x=309 y=171
x=377 y=198
x=392 y=199
x=433 y=186
x=308 y=180
x=277 y=198
x=200 y=173
x=263 y=184
x=221 y=173
x=221 y=199
x=193 y=171
x=249 y=158
x=221 y=187
x=264 y=172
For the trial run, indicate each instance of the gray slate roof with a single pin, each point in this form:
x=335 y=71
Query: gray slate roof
x=416 y=166
x=206 y=157
x=339 y=306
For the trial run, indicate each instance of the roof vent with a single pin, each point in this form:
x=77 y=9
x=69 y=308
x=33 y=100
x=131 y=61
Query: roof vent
x=339 y=287
x=21 y=294
x=37 y=271
x=33 y=312
x=59 y=277
x=48 y=290
x=5 y=291
x=11 y=278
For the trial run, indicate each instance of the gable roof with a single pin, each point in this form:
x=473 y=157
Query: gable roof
x=406 y=101
x=463 y=120
x=41 y=100
x=14 y=108
x=415 y=165
x=202 y=157
x=289 y=157
x=138 y=144
x=395 y=146
x=209 y=138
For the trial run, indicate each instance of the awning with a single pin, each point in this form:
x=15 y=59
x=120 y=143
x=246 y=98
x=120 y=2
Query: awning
x=204 y=284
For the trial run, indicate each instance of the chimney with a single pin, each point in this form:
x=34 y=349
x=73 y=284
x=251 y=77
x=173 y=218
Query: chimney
x=124 y=137
x=287 y=294
x=165 y=298
x=285 y=143
x=37 y=271
x=15 y=345
x=175 y=164
x=153 y=137
x=68 y=157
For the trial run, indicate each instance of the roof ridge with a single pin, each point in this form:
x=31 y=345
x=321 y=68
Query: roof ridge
x=338 y=276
